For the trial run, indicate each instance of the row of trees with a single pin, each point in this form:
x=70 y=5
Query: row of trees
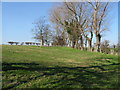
x=75 y=25
x=80 y=22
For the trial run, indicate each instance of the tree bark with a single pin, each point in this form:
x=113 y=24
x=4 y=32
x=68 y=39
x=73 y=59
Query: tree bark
x=77 y=44
x=98 y=39
x=90 y=45
x=73 y=44
x=81 y=43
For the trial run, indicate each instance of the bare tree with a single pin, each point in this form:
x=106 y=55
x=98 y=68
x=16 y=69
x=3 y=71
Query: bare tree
x=41 y=30
x=99 y=14
x=88 y=34
x=57 y=18
x=47 y=34
x=66 y=16
x=80 y=21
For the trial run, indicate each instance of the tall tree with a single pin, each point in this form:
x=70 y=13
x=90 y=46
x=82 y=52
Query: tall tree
x=81 y=21
x=99 y=14
x=68 y=15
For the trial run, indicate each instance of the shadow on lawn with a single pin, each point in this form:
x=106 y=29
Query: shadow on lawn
x=86 y=77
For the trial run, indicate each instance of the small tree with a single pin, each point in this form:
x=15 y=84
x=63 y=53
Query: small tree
x=105 y=47
x=41 y=30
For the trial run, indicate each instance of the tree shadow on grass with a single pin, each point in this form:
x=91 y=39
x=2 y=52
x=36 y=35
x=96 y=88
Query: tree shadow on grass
x=86 y=77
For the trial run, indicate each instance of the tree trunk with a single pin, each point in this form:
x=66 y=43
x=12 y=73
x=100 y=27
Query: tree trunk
x=86 y=43
x=77 y=44
x=42 y=42
x=73 y=44
x=98 y=39
x=90 y=45
x=81 y=43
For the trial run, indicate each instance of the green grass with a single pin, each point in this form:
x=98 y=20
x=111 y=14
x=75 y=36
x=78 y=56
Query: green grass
x=57 y=67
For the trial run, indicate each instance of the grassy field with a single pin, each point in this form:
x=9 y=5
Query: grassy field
x=57 y=67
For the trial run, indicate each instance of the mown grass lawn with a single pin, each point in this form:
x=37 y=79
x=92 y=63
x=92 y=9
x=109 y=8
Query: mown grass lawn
x=57 y=67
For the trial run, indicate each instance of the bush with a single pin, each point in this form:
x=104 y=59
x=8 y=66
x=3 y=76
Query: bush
x=105 y=47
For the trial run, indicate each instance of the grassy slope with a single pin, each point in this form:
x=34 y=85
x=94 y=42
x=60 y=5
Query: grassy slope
x=57 y=67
